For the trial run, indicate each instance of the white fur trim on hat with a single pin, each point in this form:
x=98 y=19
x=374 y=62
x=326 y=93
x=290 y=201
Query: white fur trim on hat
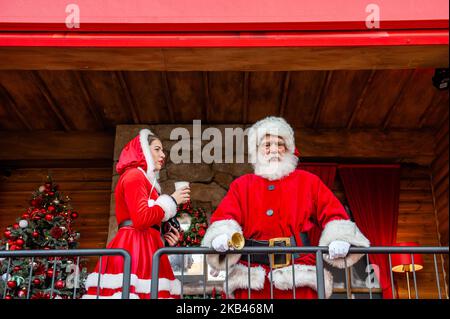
x=151 y=174
x=229 y=227
x=115 y=281
x=344 y=230
x=168 y=205
x=305 y=276
x=270 y=125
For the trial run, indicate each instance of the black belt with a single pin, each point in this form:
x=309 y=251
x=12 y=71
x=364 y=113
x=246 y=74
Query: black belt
x=128 y=222
x=277 y=260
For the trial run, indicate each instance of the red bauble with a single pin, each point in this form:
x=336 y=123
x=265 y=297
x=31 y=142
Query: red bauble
x=8 y=297
x=49 y=273
x=49 y=217
x=20 y=242
x=13 y=247
x=22 y=293
x=51 y=209
x=74 y=215
x=16 y=226
x=43 y=211
x=7 y=233
x=51 y=193
x=17 y=268
x=26 y=216
x=59 y=284
x=36 y=281
x=35 y=234
x=12 y=284
x=36 y=217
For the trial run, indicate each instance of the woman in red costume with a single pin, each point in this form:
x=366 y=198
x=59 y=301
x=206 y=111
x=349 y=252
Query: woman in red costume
x=140 y=210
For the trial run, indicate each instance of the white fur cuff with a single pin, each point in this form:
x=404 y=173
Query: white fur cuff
x=168 y=205
x=229 y=227
x=345 y=230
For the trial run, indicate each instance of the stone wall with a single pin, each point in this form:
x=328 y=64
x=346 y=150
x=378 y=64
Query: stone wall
x=209 y=182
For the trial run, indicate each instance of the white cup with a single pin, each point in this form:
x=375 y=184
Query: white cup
x=181 y=185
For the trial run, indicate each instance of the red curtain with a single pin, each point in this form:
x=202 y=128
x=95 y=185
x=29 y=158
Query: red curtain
x=327 y=173
x=373 y=193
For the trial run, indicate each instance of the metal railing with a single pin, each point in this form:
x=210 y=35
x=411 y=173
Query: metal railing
x=318 y=251
x=70 y=253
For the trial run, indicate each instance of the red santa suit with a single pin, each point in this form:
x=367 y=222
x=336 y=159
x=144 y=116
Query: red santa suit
x=137 y=197
x=281 y=204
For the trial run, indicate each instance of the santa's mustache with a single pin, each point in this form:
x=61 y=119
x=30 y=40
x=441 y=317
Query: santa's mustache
x=272 y=158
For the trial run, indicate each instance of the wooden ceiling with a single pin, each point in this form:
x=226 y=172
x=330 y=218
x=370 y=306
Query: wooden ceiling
x=339 y=99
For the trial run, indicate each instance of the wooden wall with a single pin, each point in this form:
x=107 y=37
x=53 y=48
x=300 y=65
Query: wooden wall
x=88 y=188
x=416 y=222
x=440 y=186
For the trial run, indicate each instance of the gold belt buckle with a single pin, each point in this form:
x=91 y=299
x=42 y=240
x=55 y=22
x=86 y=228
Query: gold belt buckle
x=287 y=242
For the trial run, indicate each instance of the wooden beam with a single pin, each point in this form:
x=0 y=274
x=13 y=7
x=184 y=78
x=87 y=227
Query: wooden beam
x=361 y=100
x=167 y=96
x=225 y=59
x=431 y=108
x=374 y=145
x=394 y=106
x=394 y=146
x=56 y=145
x=93 y=108
x=50 y=100
x=128 y=97
x=15 y=109
x=321 y=99
x=206 y=105
x=285 y=93
x=245 y=99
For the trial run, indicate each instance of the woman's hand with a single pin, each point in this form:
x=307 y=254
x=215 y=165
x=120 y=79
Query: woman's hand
x=182 y=195
x=172 y=237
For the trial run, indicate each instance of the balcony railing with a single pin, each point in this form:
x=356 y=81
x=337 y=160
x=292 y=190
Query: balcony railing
x=245 y=252
x=318 y=251
x=69 y=253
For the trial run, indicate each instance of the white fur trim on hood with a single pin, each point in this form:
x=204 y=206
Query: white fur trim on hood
x=344 y=230
x=115 y=281
x=270 y=125
x=229 y=227
x=151 y=174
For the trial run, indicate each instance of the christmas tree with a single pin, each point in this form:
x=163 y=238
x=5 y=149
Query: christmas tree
x=46 y=224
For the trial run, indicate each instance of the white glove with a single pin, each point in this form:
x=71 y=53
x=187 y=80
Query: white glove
x=220 y=243
x=338 y=249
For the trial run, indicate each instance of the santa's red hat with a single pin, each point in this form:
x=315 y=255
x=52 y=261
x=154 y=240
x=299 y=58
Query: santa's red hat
x=270 y=125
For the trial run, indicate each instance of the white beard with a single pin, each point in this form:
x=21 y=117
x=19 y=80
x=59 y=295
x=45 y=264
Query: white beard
x=273 y=170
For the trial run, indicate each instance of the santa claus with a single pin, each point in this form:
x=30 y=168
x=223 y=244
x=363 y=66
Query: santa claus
x=276 y=206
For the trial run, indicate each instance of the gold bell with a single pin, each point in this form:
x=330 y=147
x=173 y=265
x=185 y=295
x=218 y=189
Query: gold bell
x=237 y=241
